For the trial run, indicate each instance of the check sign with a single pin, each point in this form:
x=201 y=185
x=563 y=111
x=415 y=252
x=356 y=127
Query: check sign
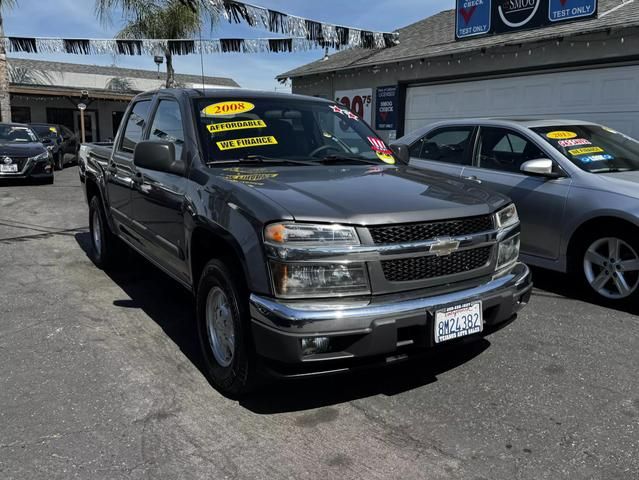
x=563 y=10
x=473 y=17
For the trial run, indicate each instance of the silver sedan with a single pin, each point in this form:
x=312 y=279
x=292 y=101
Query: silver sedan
x=575 y=184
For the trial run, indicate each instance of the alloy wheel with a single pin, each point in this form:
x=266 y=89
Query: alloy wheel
x=219 y=326
x=611 y=267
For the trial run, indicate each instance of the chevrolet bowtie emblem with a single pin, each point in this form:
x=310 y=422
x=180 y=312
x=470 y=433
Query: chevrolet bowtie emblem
x=444 y=246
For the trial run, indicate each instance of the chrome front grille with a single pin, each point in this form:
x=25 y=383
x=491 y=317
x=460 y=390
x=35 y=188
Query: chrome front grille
x=429 y=267
x=415 y=232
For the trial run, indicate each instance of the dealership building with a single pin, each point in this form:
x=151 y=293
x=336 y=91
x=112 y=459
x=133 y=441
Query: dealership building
x=574 y=59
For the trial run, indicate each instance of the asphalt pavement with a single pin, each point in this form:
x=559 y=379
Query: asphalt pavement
x=100 y=379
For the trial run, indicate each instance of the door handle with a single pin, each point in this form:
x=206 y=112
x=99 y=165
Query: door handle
x=138 y=178
x=112 y=168
x=473 y=178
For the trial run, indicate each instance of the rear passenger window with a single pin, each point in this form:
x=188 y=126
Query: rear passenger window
x=135 y=126
x=167 y=125
x=449 y=145
x=505 y=150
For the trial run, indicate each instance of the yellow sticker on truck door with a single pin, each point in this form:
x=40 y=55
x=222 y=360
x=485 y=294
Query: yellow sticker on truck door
x=585 y=151
x=225 y=109
x=246 y=143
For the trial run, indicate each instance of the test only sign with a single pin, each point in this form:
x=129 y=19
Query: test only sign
x=483 y=17
x=386 y=108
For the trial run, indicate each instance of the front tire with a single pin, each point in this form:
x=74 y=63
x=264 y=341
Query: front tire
x=608 y=264
x=103 y=242
x=223 y=330
x=59 y=162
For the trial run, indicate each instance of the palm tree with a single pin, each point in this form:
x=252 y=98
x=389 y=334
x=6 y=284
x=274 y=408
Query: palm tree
x=160 y=19
x=119 y=84
x=5 y=98
x=26 y=76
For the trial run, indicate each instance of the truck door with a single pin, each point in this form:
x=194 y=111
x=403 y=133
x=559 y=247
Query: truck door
x=119 y=178
x=158 y=198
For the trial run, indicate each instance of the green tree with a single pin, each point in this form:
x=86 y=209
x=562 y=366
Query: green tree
x=5 y=98
x=160 y=19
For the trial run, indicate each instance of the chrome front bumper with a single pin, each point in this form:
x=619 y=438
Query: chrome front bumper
x=375 y=325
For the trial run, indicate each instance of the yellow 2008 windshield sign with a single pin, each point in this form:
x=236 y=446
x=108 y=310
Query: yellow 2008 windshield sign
x=230 y=126
x=224 y=109
x=246 y=143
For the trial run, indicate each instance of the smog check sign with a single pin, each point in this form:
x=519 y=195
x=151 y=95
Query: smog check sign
x=560 y=10
x=473 y=17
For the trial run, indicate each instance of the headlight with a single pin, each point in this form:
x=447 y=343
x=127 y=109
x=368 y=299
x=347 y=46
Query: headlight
x=299 y=280
x=309 y=235
x=39 y=158
x=507 y=217
x=508 y=252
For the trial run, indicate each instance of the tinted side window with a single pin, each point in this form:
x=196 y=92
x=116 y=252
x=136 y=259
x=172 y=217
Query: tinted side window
x=135 y=126
x=167 y=125
x=450 y=145
x=505 y=150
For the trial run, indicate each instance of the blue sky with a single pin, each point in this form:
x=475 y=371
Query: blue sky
x=76 y=18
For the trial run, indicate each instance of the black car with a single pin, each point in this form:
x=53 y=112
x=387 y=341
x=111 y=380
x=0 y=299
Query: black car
x=61 y=141
x=22 y=154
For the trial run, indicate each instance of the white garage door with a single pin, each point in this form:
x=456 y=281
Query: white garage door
x=608 y=95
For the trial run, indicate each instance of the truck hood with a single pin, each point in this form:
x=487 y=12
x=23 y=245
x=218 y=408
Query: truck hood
x=368 y=195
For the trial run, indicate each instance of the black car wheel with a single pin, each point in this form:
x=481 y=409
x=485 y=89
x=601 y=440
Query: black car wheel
x=104 y=245
x=59 y=163
x=608 y=264
x=223 y=330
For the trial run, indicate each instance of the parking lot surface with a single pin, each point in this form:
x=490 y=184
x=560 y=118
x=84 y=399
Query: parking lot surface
x=99 y=378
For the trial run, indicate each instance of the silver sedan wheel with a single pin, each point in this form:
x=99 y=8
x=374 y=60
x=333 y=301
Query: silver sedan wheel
x=612 y=268
x=97 y=232
x=219 y=325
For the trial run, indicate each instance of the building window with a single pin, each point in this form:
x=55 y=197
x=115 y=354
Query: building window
x=21 y=114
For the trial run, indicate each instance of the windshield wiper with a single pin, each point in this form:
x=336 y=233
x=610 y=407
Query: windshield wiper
x=612 y=170
x=346 y=158
x=253 y=159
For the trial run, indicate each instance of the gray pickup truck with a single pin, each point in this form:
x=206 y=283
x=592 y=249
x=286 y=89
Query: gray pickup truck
x=309 y=246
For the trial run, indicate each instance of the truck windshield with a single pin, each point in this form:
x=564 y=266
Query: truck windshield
x=285 y=129
x=594 y=148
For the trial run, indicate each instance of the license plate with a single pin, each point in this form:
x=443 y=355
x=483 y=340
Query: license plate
x=9 y=168
x=458 y=321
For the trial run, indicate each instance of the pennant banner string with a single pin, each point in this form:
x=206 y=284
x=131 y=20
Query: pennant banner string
x=320 y=33
x=79 y=46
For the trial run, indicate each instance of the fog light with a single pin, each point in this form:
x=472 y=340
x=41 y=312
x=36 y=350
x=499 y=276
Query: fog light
x=314 y=345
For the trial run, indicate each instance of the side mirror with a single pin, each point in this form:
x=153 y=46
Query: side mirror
x=157 y=156
x=401 y=152
x=541 y=167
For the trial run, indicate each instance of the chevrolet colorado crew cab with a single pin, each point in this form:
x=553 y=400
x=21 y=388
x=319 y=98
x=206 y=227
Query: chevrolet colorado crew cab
x=309 y=245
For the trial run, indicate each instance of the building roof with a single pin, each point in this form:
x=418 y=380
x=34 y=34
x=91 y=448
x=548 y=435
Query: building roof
x=113 y=71
x=435 y=36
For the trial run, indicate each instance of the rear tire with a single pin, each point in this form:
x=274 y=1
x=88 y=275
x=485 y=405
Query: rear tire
x=606 y=264
x=223 y=327
x=104 y=245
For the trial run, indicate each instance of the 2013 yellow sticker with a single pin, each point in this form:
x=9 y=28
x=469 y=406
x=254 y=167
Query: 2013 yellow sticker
x=232 y=126
x=585 y=151
x=561 y=135
x=225 y=109
x=246 y=143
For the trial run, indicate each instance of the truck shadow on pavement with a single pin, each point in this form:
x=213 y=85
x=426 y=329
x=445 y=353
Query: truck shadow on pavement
x=171 y=307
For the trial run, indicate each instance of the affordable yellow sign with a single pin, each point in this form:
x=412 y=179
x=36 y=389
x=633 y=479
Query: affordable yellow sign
x=585 y=151
x=231 y=126
x=246 y=143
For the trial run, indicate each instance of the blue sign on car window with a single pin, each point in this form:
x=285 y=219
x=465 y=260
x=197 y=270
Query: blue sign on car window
x=473 y=17
x=560 y=10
